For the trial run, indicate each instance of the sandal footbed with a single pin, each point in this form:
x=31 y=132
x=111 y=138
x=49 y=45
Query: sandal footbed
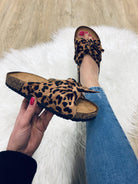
x=85 y=109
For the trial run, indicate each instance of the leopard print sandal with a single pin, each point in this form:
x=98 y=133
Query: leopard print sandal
x=87 y=47
x=62 y=97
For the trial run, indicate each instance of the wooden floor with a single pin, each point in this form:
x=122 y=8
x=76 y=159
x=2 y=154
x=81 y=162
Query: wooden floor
x=24 y=23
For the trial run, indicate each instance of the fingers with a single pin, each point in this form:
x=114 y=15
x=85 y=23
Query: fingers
x=30 y=111
x=24 y=105
x=38 y=110
x=29 y=114
x=46 y=115
x=45 y=118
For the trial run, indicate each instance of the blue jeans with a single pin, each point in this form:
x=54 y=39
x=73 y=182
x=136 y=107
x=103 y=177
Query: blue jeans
x=109 y=156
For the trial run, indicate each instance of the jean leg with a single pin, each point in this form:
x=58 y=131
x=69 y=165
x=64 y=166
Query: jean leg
x=109 y=156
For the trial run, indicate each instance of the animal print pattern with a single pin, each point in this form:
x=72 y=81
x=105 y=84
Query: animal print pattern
x=59 y=96
x=90 y=47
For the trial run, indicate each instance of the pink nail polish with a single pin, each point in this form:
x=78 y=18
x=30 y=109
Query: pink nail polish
x=90 y=35
x=81 y=33
x=86 y=32
x=32 y=101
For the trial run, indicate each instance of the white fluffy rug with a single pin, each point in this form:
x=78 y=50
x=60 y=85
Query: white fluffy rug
x=60 y=156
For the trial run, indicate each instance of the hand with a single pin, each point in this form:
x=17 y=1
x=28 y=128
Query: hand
x=29 y=128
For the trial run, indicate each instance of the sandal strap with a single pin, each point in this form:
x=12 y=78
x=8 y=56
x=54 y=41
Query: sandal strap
x=58 y=95
x=90 y=47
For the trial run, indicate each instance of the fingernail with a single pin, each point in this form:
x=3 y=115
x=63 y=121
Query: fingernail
x=32 y=101
x=81 y=33
x=86 y=32
x=90 y=35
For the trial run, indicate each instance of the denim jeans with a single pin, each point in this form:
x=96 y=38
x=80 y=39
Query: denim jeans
x=109 y=156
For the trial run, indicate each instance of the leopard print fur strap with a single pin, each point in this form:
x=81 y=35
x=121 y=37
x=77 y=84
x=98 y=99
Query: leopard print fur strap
x=90 y=47
x=58 y=95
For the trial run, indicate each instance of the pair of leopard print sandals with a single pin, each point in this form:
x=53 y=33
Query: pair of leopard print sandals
x=62 y=97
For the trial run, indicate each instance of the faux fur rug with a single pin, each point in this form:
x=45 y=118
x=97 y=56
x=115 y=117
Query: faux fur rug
x=60 y=156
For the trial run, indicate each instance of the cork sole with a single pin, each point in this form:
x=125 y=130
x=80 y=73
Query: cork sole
x=85 y=109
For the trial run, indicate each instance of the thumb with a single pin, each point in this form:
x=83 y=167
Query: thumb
x=30 y=111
